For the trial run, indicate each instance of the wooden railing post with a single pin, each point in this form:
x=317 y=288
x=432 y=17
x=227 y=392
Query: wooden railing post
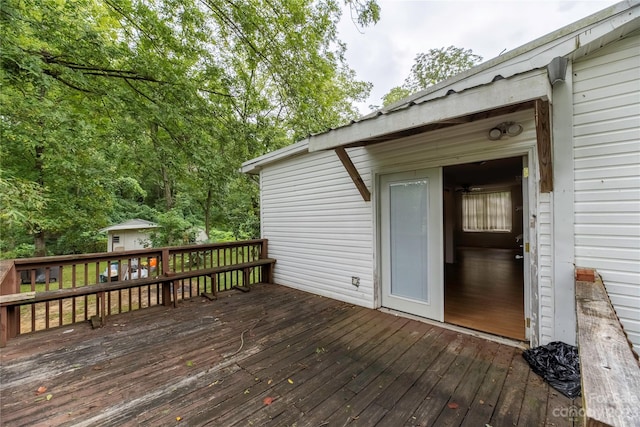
x=267 y=270
x=103 y=308
x=9 y=316
x=168 y=288
x=264 y=252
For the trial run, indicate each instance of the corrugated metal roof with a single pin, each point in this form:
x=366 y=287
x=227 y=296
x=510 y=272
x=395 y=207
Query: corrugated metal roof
x=132 y=224
x=535 y=54
x=572 y=41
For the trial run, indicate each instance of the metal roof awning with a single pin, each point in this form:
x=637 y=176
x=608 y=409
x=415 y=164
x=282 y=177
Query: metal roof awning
x=511 y=82
x=132 y=224
x=497 y=98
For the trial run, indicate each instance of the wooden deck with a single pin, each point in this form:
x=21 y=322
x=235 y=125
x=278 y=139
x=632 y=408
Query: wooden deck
x=318 y=361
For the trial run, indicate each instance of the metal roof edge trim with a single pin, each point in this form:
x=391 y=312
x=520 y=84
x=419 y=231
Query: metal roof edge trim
x=572 y=30
x=118 y=227
x=254 y=166
x=517 y=89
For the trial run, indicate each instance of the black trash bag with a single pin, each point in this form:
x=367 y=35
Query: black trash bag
x=559 y=364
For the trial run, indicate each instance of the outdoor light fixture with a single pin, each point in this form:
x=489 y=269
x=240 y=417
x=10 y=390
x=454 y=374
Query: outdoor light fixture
x=505 y=128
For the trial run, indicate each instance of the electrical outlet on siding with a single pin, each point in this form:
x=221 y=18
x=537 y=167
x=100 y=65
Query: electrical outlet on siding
x=355 y=281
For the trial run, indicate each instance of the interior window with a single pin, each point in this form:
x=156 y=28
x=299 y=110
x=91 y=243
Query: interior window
x=486 y=212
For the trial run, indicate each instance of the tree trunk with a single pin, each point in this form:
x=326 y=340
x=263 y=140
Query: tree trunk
x=207 y=212
x=166 y=182
x=39 y=235
x=41 y=249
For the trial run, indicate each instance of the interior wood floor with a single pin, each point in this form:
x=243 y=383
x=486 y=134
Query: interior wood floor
x=484 y=291
x=274 y=356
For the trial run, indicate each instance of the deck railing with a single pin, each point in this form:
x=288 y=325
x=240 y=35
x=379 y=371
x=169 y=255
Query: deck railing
x=38 y=275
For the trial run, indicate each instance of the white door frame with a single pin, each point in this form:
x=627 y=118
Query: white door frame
x=530 y=214
x=431 y=304
x=526 y=242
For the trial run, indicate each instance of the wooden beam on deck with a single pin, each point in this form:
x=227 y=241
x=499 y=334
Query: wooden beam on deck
x=9 y=287
x=610 y=372
x=543 y=134
x=353 y=173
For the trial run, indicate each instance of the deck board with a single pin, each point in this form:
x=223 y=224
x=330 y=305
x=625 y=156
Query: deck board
x=320 y=361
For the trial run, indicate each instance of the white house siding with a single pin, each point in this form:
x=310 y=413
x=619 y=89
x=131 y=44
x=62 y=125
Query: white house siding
x=319 y=228
x=322 y=232
x=607 y=173
x=129 y=240
x=546 y=300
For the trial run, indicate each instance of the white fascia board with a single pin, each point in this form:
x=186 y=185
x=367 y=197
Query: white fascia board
x=127 y=227
x=594 y=38
x=518 y=89
x=253 y=166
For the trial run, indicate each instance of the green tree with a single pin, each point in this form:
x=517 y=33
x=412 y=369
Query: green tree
x=432 y=67
x=127 y=108
x=394 y=95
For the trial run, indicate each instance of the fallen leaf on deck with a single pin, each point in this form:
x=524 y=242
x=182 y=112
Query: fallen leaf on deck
x=452 y=405
x=269 y=382
x=189 y=363
x=178 y=418
x=41 y=389
x=267 y=400
x=290 y=381
x=49 y=396
x=482 y=402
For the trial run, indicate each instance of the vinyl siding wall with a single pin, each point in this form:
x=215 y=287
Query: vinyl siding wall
x=129 y=240
x=607 y=173
x=319 y=228
x=546 y=300
x=322 y=232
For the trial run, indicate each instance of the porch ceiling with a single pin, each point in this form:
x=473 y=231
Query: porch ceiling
x=273 y=356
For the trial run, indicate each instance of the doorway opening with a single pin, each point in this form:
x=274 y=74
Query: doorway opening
x=483 y=247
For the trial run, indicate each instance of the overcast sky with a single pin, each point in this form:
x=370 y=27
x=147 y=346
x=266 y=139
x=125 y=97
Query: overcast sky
x=383 y=54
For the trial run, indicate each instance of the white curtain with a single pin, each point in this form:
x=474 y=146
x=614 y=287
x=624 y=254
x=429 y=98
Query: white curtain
x=486 y=211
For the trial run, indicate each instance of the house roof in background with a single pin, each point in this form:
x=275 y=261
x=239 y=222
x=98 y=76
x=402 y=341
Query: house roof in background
x=132 y=224
x=415 y=113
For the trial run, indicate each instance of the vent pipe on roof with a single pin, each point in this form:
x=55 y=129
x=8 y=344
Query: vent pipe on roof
x=557 y=69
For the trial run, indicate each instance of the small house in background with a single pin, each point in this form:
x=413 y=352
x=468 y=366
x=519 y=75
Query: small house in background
x=200 y=235
x=129 y=235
